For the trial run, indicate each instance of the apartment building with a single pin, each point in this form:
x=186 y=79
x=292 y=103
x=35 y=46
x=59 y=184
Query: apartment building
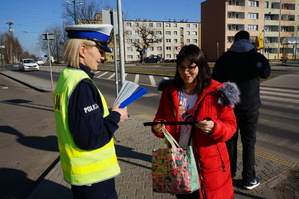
x=167 y=37
x=272 y=24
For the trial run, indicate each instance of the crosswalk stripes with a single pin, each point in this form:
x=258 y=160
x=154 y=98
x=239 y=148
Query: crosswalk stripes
x=278 y=121
x=280 y=94
x=150 y=80
x=136 y=78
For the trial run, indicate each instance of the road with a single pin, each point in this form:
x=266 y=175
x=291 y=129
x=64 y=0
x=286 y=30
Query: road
x=28 y=142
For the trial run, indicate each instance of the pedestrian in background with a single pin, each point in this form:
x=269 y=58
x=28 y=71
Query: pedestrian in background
x=244 y=66
x=194 y=96
x=84 y=125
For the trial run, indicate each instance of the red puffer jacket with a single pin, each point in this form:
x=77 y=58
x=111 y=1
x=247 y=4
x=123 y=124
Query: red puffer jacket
x=212 y=152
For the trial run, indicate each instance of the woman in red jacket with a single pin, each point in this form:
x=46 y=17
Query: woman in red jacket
x=194 y=96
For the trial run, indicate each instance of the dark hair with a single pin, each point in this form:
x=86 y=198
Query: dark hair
x=195 y=55
x=242 y=35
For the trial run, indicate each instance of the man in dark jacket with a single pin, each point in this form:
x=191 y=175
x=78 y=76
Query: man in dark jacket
x=244 y=66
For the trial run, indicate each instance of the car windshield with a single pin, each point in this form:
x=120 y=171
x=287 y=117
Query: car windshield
x=29 y=61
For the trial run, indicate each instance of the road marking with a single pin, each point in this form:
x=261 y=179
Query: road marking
x=280 y=90
x=136 y=78
x=152 y=80
x=273 y=158
x=113 y=74
x=102 y=74
x=280 y=99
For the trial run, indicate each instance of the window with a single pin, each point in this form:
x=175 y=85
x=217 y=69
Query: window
x=287 y=28
x=159 y=32
x=235 y=27
x=136 y=24
x=187 y=32
x=130 y=49
x=168 y=40
x=230 y=39
x=175 y=40
x=168 y=32
x=188 y=41
x=129 y=24
x=252 y=27
x=237 y=15
x=167 y=25
x=137 y=40
x=168 y=56
x=151 y=25
x=175 y=32
x=159 y=48
x=236 y=3
x=187 y=25
x=168 y=47
x=253 y=39
x=194 y=32
x=136 y=32
x=129 y=56
x=253 y=15
x=194 y=41
x=129 y=32
x=175 y=25
x=158 y=25
x=129 y=40
x=253 y=3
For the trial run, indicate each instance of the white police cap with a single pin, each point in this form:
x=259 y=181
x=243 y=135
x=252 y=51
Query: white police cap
x=99 y=33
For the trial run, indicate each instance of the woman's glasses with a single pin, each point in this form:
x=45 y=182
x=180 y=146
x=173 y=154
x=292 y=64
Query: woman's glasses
x=189 y=68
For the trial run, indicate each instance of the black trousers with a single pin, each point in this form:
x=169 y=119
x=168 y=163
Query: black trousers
x=247 y=126
x=194 y=195
x=100 y=190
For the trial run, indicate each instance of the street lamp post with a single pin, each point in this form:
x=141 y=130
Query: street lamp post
x=74 y=6
x=48 y=37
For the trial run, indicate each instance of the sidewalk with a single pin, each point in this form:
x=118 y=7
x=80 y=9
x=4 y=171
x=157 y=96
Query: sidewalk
x=134 y=145
x=134 y=182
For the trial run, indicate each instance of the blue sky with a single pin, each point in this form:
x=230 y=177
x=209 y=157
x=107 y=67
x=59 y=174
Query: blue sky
x=31 y=17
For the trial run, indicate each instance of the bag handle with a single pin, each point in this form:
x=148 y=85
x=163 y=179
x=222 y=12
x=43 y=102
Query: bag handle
x=174 y=144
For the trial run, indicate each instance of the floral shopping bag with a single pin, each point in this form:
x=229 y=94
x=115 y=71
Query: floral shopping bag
x=174 y=169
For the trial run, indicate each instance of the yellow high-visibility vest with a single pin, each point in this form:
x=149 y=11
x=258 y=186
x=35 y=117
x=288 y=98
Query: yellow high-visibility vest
x=80 y=167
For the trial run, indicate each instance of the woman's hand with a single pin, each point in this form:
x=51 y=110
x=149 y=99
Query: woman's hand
x=206 y=125
x=122 y=111
x=158 y=128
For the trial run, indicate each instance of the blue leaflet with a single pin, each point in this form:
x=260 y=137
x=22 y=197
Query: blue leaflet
x=140 y=92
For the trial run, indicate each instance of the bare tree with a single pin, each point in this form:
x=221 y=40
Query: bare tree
x=146 y=37
x=56 y=45
x=85 y=11
x=13 y=50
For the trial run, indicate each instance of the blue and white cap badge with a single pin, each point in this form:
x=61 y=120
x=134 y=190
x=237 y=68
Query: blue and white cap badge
x=99 y=33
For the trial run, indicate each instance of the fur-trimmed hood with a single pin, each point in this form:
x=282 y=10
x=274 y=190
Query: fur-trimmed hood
x=229 y=92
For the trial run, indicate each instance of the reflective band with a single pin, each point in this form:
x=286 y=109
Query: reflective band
x=94 y=35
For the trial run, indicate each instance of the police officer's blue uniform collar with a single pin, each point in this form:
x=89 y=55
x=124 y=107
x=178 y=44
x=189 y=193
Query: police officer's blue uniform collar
x=85 y=69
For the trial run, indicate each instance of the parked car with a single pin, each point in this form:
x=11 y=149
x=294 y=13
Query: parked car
x=40 y=62
x=28 y=65
x=153 y=59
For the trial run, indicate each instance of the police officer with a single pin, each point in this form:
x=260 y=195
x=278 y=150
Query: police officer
x=84 y=125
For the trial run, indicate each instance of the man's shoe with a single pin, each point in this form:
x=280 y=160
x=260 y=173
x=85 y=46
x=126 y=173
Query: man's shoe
x=253 y=183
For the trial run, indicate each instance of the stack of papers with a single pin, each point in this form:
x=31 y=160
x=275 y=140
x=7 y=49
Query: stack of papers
x=126 y=94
